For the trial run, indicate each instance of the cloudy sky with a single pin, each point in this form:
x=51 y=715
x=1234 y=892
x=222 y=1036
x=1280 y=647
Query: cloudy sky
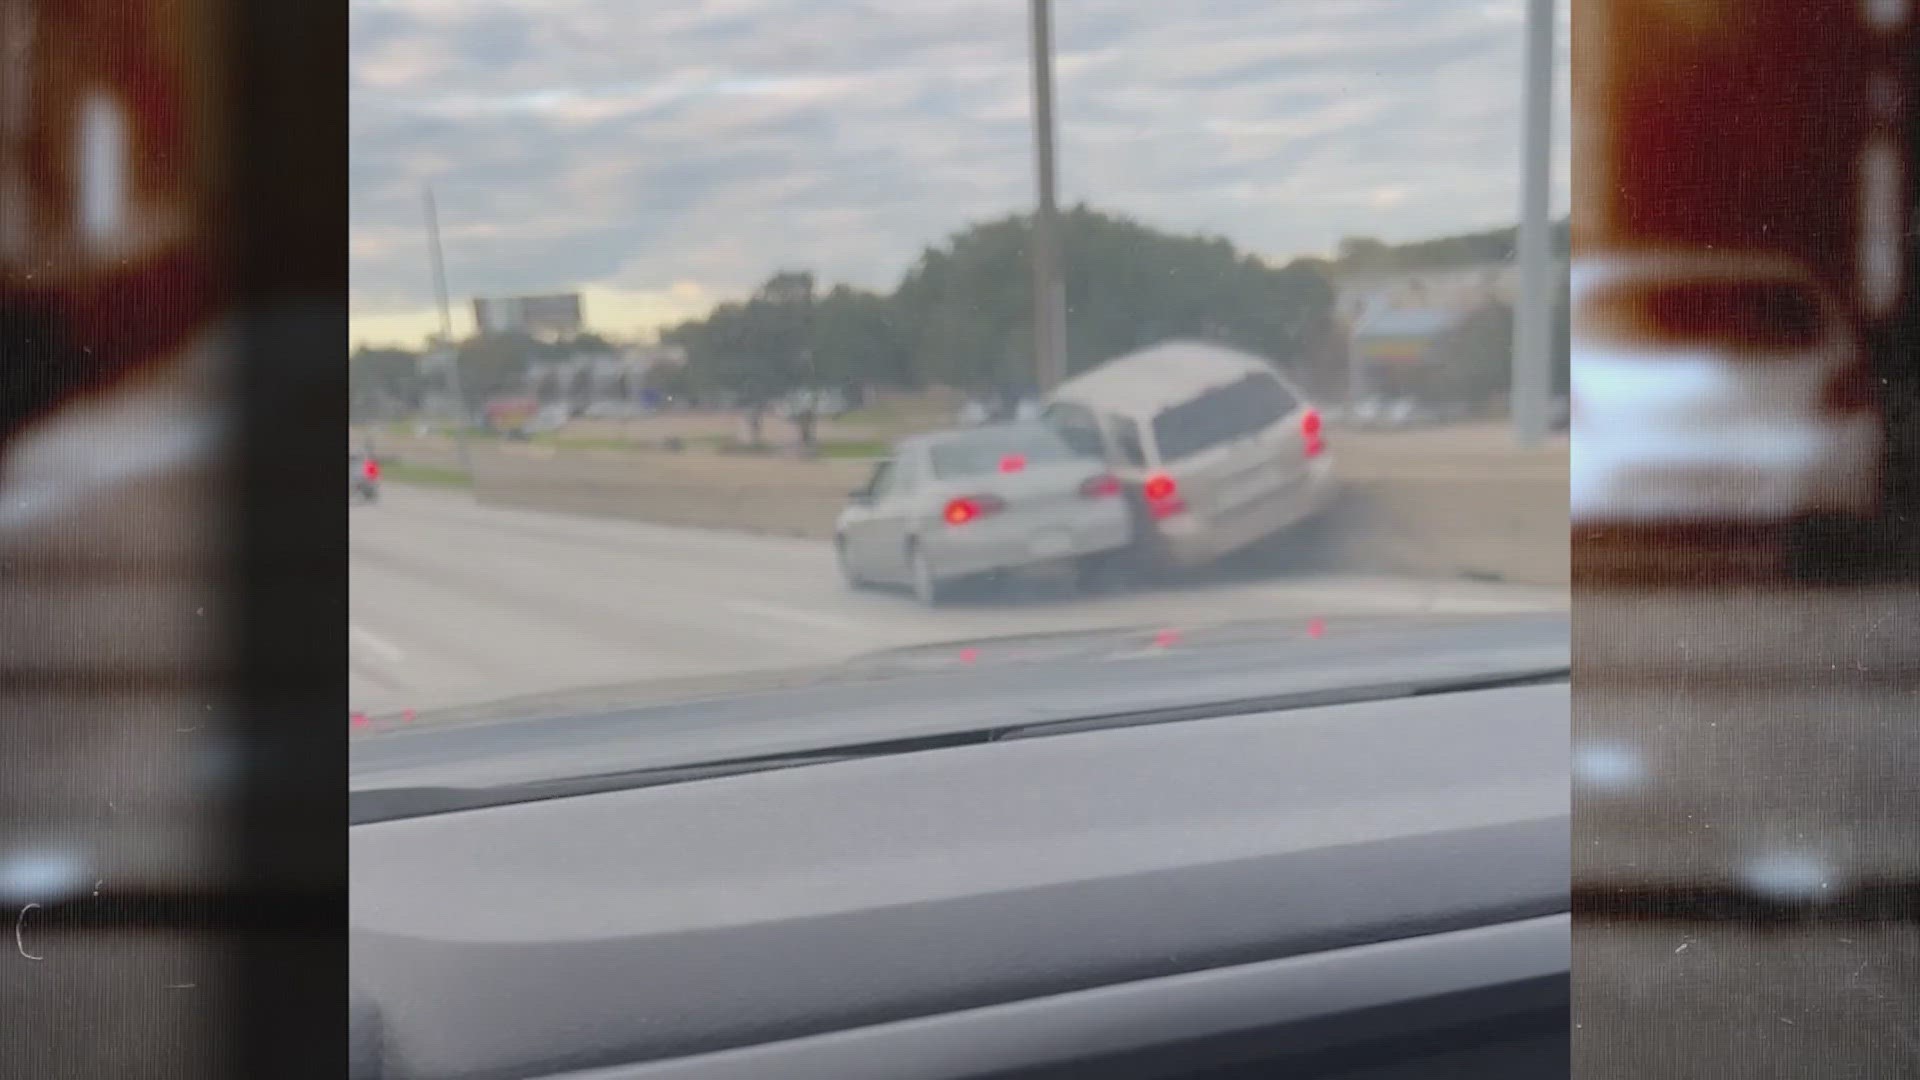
x=663 y=157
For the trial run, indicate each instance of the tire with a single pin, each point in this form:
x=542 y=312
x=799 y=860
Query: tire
x=927 y=586
x=1147 y=561
x=1094 y=575
x=847 y=573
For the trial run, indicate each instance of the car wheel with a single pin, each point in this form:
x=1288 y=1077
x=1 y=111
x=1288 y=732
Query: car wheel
x=847 y=572
x=927 y=586
x=1095 y=574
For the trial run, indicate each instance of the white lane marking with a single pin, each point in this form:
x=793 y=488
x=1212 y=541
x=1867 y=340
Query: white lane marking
x=812 y=620
x=367 y=641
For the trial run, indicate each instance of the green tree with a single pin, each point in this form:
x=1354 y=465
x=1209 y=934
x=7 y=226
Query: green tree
x=669 y=381
x=859 y=341
x=383 y=379
x=1476 y=354
x=1465 y=249
x=969 y=303
x=493 y=364
x=1474 y=357
x=757 y=350
x=1364 y=253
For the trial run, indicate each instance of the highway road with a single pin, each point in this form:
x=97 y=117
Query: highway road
x=455 y=604
x=1744 y=766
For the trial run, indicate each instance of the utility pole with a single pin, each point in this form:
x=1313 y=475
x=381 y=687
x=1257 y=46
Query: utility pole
x=1049 y=295
x=439 y=268
x=440 y=292
x=445 y=341
x=1533 y=320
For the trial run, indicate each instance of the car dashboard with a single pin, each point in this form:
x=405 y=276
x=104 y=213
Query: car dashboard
x=1298 y=886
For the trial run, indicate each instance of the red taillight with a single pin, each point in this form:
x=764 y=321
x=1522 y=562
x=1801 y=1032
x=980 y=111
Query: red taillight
x=1100 y=487
x=1163 y=496
x=1012 y=463
x=961 y=511
x=1310 y=435
x=373 y=469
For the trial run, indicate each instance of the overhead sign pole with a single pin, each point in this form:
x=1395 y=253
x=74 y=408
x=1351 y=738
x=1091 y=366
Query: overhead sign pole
x=445 y=343
x=1049 y=294
x=1533 y=319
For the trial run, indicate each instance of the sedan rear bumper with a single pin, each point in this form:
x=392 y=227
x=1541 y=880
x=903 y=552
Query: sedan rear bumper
x=1642 y=471
x=989 y=545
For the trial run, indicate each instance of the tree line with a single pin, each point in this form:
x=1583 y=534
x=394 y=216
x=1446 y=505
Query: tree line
x=961 y=316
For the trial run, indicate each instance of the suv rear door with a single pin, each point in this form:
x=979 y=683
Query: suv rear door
x=1232 y=444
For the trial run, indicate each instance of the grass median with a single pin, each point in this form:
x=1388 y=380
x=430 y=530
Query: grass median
x=439 y=476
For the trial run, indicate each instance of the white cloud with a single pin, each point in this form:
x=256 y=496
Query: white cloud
x=601 y=145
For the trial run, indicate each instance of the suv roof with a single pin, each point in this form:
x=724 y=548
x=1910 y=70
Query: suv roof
x=1152 y=378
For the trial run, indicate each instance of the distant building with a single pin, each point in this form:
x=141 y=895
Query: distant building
x=545 y=317
x=439 y=383
x=607 y=380
x=1391 y=350
x=1393 y=318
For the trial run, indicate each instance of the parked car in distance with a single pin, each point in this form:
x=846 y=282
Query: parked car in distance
x=821 y=404
x=363 y=477
x=1716 y=388
x=1217 y=449
x=960 y=504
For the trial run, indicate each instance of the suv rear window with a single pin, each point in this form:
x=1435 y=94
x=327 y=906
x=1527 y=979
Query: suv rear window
x=1769 y=316
x=980 y=452
x=1223 y=414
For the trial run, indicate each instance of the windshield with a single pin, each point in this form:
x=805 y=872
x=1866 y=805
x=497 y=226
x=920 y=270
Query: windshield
x=642 y=311
x=999 y=450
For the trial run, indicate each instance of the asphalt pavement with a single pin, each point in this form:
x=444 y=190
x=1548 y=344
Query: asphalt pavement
x=1744 y=779
x=1763 y=742
x=456 y=604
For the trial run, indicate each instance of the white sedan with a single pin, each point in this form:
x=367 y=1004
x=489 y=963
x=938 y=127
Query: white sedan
x=1716 y=388
x=997 y=498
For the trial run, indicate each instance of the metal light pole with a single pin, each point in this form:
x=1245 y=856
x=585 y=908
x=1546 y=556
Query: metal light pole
x=1533 y=319
x=1049 y=295
x=446 y=332
x=439 y=267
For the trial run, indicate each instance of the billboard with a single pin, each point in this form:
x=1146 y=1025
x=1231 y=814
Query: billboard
x=538 y=315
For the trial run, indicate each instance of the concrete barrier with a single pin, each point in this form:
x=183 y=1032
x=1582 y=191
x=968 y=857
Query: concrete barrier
x=1443 y=503
x=1460 y=501
x=765 y=494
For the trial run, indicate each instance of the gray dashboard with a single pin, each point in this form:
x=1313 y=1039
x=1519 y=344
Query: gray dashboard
x=713 y=917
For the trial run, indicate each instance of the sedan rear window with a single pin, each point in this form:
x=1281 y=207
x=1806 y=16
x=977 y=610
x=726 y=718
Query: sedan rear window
x=1234 y=411
x=1766 y=316
x=986 y=450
